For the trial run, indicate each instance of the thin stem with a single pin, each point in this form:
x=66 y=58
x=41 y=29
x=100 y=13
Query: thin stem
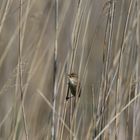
x=55 y=73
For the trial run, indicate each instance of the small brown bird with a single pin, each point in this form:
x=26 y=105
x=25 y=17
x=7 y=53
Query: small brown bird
x=74 y=85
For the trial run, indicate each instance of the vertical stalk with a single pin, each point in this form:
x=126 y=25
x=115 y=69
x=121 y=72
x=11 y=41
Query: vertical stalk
x=119 y=81
x=55 y=73
x=20 y=69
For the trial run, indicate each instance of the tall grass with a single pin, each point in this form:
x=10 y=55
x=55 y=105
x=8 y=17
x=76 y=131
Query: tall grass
x=43 y=41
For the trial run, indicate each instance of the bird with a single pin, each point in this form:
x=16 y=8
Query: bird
x=73 y=85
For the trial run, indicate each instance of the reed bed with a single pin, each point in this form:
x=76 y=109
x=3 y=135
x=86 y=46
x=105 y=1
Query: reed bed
x=41 y=42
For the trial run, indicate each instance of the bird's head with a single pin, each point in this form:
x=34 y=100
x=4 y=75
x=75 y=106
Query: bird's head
x=73 y=78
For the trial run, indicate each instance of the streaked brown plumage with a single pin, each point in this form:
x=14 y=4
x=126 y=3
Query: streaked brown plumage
x=74 y=85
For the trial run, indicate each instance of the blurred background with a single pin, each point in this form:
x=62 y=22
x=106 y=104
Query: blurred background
x=43 y=41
